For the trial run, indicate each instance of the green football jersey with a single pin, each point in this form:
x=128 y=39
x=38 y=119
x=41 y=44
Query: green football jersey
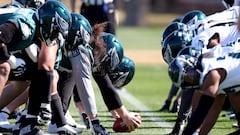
x=24 y=18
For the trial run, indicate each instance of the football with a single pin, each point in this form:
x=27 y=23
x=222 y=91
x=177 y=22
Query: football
x=120 y=126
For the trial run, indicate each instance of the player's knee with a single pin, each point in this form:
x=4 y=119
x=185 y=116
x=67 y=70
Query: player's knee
x=4 y=69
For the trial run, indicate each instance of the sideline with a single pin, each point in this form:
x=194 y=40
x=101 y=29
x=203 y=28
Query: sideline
x=140 y=106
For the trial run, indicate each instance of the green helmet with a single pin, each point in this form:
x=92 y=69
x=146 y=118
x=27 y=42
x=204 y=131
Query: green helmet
x=114 y=49
x=174 y=43
x=174 y=26
x=184 y=72
x=191 y=17
x=79 y=33
x=54 y=19
x=29 y=3
x=123 y=74
x=178 y=19
x=189 y=50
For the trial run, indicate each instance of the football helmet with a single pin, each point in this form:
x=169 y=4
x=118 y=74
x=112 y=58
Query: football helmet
x=29 y=3
x=178 y=19
x=114 y=51
x=192 y=51
x=79 y=33
x=54 y=19
x=174 y=43
x=184 y=72
x=192 y=17
x=123 y=74
x=174 y=26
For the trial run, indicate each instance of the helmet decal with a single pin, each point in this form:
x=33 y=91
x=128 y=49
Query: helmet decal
x=62 y=24
x=115 y=60
x=85 y=35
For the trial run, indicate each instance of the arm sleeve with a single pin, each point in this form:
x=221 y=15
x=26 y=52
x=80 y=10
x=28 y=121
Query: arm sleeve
x=109 y=94
x=8 y=32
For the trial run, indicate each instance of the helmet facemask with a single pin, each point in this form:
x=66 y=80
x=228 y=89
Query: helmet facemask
x=49 y=29
x=120 y=78
x=53 y=19
x=176 y=41
x=34 y=3
x=183 y=71
x=123 y=74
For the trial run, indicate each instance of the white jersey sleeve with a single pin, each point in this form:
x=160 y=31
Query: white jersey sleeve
x=228 y=16
x=227 y=58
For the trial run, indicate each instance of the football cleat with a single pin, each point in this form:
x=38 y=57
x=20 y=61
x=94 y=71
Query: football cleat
x=178 y=127
x=5 y=126
x=66 y=130
x=165 y=107
x=85 y=120
x=97 y=128
x=45 y=114
x=70 y=121
x=175 y=107
x=29 y=127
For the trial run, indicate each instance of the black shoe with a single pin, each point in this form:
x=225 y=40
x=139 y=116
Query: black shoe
x=20 y=119
x=235 y=125
x=235 y=133
x=86 y=120
x=29 y=127
x=45 y=114
x=165 y=107
x=175 y=107
x=178 y=127
x=98 y=129
x=13 y=115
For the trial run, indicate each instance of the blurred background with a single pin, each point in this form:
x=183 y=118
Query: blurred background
x=152 y=12
x=156 y=12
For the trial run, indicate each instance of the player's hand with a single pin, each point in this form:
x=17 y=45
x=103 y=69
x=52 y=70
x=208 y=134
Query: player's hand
x=132 y=122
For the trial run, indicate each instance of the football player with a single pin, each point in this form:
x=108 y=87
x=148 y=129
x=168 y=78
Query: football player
x=21 y=27
x=212 y=72
x=179 y=37
x=100 y=63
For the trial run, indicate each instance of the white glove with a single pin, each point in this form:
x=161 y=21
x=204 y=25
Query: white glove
x=17 y=65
